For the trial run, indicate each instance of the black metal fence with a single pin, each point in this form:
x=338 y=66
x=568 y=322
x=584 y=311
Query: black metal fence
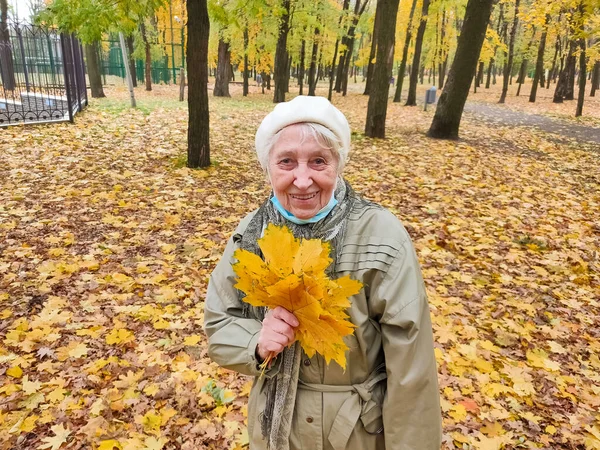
x=42 y=75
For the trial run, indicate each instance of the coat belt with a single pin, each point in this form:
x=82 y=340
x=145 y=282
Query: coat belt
x=353 y=408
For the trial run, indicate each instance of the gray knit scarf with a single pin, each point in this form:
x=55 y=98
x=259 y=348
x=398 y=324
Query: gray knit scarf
x=276 y=419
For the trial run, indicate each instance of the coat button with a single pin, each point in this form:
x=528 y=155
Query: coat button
x=307 y=362
x=309 y=419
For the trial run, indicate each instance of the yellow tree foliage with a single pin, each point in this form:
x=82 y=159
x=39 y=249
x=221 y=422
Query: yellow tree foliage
x=171 y=20
x=293 y=276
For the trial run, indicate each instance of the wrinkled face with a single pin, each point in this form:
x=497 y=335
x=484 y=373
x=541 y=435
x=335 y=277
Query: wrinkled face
x=303 y=173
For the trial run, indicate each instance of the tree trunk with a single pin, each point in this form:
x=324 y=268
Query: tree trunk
x=501 y=30
x=288 y=71
x=443 y=72
x=479 y=78
x=354 y=68
x=358 y=11
x=93 y=69
x=319 y=67
x=539 y=65
x=571 y=68
x=560 y=92
x=340 y=66
x=551 y=74
x=371 y=65
x=263 y=75
x=148 y=71
x=437 y=47
x=301 y=69
x=312 y=79
x=223 y=70
x=332 y=69
x=335 y=51
x=521 y=77
x=347 y=60
x=280 y=76
x=402 y=68
x=7 y=70
x=197 y=62
x=446 y=120
x=443 y=55
x=129 y=41
x=582 y=69
x=411 y=99
x=488 y=79
x=246 y=68
x=595 y=78
x=378 y=98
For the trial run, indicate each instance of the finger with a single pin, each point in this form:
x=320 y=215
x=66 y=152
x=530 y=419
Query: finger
x=285 y=332
x=281 y=338
x=283 y=314
x=269 y=346
x=279 y=326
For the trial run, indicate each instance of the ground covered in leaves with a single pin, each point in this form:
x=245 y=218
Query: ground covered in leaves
x=107 y=242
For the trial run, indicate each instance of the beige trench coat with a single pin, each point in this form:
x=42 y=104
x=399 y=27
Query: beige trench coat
x=356 y=409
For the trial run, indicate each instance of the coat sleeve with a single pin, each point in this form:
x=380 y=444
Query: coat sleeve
x=411 y=408
x=232 y=338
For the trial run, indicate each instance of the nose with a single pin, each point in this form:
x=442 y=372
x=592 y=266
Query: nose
x=303 y=177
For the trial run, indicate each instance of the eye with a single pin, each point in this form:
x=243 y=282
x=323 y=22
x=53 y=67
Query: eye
x=320 y=161
x=285 y=161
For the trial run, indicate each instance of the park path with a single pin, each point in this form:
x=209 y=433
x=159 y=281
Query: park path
x=503 y=116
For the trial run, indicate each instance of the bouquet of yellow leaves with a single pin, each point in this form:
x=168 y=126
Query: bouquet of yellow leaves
x=293 y=276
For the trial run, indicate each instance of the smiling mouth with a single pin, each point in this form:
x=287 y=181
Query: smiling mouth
x=303 y=197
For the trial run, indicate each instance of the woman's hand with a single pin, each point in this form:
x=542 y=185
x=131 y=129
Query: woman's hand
x=277 y=332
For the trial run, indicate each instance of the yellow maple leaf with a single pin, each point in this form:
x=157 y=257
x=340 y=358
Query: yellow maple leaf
x=97 y=407
x=15 y=372
x=242 y=441
x=78 y=351
x=245 y=391
x=492 y=429
x=152 y=443
x=30 y=387
x=110 y=444
x=192 y=340
x=60 y=437
x=151 y=389
x=166 y=414
x=152 y=422
x=293 y=276
x=539 y=358
x=592 y=438
x=458 y=412
x=489 y=443
x=119 y=336
x=28 y=424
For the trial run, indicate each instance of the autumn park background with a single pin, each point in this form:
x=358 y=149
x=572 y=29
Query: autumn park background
x=112 y=216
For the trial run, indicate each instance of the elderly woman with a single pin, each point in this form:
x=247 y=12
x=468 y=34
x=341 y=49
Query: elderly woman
x=387 y=398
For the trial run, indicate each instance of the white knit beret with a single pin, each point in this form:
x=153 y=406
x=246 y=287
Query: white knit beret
x=302 y=109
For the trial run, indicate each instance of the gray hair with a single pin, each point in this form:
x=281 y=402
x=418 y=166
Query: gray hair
x=326 y=138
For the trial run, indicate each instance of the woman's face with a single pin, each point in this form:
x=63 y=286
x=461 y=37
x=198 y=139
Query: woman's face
x=303 y=174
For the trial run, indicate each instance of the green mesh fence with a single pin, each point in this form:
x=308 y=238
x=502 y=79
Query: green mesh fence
x=163 y=70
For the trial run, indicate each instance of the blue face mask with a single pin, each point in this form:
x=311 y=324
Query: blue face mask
x=292 y=218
